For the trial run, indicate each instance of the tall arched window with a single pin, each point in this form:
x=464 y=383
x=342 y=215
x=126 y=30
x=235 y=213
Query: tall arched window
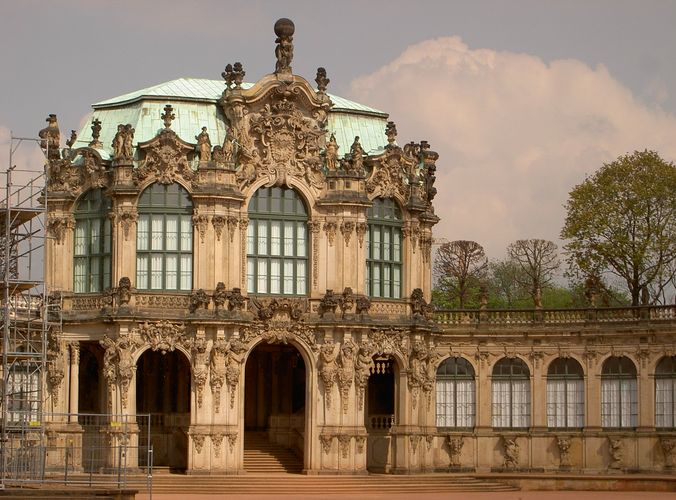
x=383 y=249
x=511 y=394
x=92 y=243
x=565 y=394
x=619 y=394
x=665 y=393
x=455 y=394
x=164 y=239
x=277 y=243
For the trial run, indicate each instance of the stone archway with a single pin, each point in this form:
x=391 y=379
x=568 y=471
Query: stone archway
x=380 y=412
x=163 y=391
x=276 y=379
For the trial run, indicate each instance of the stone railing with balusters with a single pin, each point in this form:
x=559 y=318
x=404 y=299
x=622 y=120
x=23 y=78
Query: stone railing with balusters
x=515 y=317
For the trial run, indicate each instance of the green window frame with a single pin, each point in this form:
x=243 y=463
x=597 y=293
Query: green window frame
x=277 y=243
x=665 y=393
x=92 y=243
x=164 y=239
x=384 y=249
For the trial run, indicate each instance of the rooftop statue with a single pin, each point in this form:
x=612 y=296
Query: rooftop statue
x=284 y=29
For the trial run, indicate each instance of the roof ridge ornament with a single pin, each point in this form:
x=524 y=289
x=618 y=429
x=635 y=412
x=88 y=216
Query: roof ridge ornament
x=284 y=29
x=322 y=80
x=96 y=133
x=168 y=116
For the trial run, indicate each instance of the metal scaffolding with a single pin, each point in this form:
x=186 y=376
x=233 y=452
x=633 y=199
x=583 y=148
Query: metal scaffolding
x=25 y=317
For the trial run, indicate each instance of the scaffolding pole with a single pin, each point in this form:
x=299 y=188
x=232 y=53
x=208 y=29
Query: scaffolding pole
x=25 y=317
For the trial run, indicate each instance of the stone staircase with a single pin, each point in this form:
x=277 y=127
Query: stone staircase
x=263 y=484
x=262 y=456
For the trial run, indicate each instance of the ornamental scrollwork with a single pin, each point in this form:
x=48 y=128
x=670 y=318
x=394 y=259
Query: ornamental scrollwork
x=164 y=336
x=166 y=160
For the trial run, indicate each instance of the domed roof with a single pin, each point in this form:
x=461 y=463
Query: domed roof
x=195 y=103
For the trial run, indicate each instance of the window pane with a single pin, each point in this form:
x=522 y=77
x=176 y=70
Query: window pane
x=172 y=233
x=262 y=276
x=275 y=276
x=186 y=233
x=106 y=236
x=186 y=272
x=276 y=238
x=301 y=274
x=80 y=237
x=262 y=238
x=250 y=276
x=171 y=272
x=156 y=225
x=288 y=277
x=142 y=271
x=250 y=238
x=300 y=239
x=95 y=236
x=142 y=233
x=94 y=274
x=80 y=275
x=156 y=269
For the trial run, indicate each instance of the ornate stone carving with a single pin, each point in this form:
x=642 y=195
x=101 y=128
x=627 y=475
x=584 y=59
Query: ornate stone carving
x=217 y=366
x=96 y=133
x=199 y=300
x=511 y=452
x=346 y=301
x=563 y=444
x=219 y=296
x=615 y=452
x=346 y=373
x=414 y=439
x=93 y=173
x=118 y=363
x=71 y=141
x=123 y=143
x=58 y=224
x=326 y=440
x=232 y=441
x=344 y=441
x=422 y=371
x=360 y=443
x=236 y=301
x=391 y=133
x=331 y=153
x=203 y=147
x=51 y=138
x=233 y=222
x=234 y=74
x=166 y=160
x=328 y=304
x=328 y=370
x=200 y=221
x=56 y=363
x=315 y=228
x=455 y=444
x=668 y=445
x=330 y=228
x=346 y=229
x=164 y=336
x=388 y=341
x=218 y=221
x=123 y=291
x=198 y=440
x=200 y=357
x=217 y=442
x=284 y=29
x=361 y=228
x=419 y=306
x=321 y=80
x=388 y=176
x=363 y=304
x=363 y=368
x=234 y=357
x=127 y=218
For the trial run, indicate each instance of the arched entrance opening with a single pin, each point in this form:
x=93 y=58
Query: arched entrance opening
x=163 y=391
x=274 y=409
x=380 y=412
x=92 y=406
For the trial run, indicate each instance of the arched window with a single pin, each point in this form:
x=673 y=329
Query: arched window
x=665 y=393
x=455 y=394
x=92 y=243
x=383 y=249
x=565 y=394
x=164 y=239
x=511 y=394
x=619 y=398
x=277 y=243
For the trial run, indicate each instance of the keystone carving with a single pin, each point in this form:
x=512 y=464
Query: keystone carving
x=455 y=444
x=163 y=336
x=166 y=160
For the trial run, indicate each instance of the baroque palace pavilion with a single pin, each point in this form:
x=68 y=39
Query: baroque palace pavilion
x=252 y=262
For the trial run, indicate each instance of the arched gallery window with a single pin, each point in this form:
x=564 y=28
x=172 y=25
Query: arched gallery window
x=383 y=249
x=455 y=394
x=665 y=393
x=511 y=394
x=164 y=239
x=92 y=243
x=277 y=243
x=565 y=394
x=619 y=395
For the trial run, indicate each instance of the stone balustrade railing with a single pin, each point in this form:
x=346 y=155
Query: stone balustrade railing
x=515 y=317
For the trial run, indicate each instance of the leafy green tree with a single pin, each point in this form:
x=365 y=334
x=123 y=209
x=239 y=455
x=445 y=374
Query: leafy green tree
x=621 y=221
x=504 y=284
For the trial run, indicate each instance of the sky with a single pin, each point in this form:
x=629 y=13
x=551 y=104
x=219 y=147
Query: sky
x=521 y=99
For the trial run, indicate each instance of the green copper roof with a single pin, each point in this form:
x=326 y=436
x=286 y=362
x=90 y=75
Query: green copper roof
x=194 y=102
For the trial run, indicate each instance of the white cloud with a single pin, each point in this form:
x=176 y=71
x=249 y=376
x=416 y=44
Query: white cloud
x=514 y=134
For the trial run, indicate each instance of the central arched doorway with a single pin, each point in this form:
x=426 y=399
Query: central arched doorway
x=380 y=413
x=274 y=409
x=163 y=391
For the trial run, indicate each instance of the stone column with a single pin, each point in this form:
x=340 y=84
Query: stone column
x=74 y=381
